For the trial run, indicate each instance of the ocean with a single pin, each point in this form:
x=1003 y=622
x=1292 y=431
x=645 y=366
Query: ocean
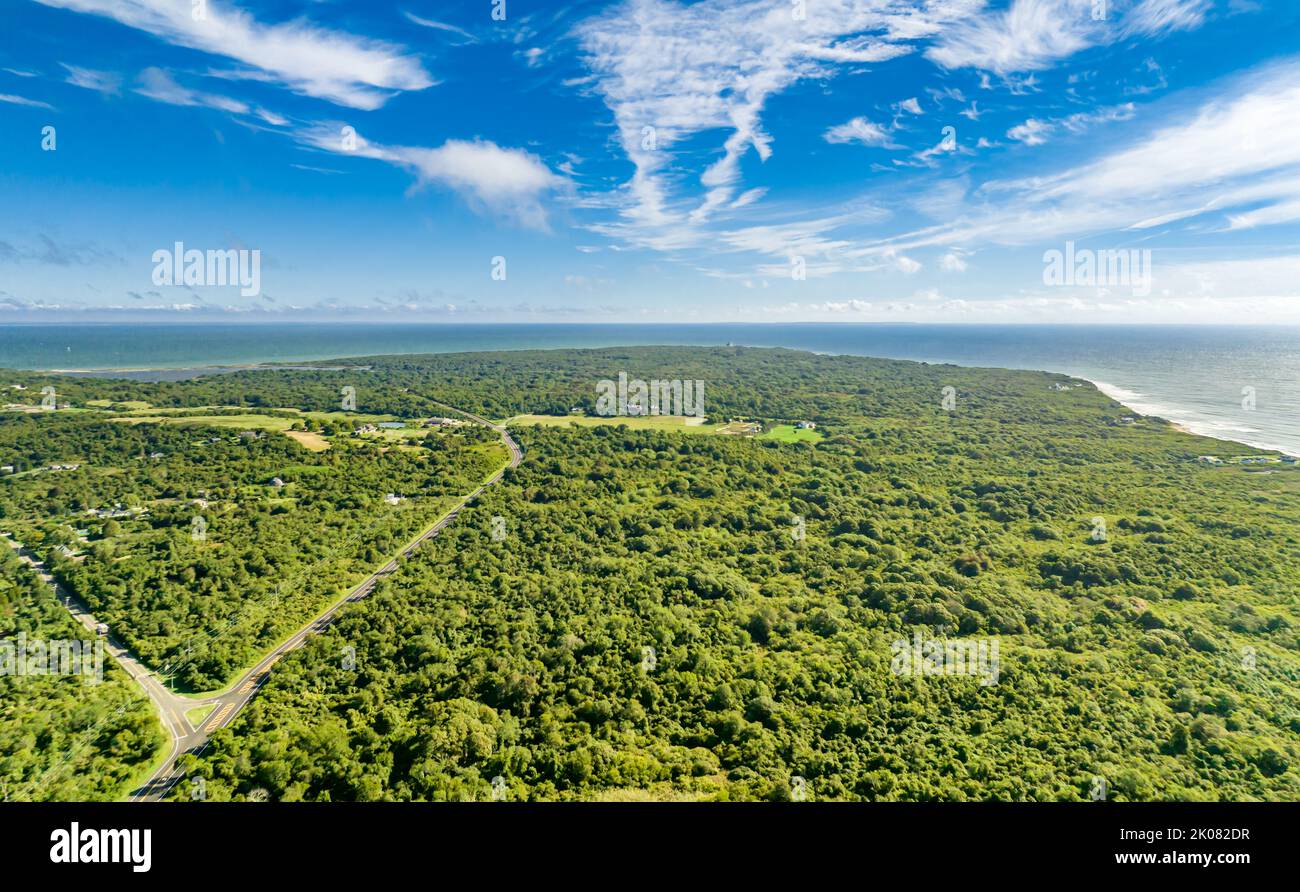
x=1238 y=383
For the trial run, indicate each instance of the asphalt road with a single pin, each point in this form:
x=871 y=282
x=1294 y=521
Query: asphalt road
x=187 y=737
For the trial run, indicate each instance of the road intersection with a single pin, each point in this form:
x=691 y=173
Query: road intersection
x=188 y=737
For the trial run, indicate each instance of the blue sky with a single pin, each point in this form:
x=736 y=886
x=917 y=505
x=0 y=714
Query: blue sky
x=758 y=160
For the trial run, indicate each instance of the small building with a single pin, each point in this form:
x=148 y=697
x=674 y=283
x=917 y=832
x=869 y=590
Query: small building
x=806 y=425
x=6 y=469
x=1209 y=460
x=277 y=482
x=394 y=499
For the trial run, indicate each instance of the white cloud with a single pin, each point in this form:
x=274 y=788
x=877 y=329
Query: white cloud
x=272 y=118
x=952 y=263
x=100 y=81
x=1031 y=35
x=21 y=100
x=859 y=130
x=1159 y=16
x=343 y=68
x=587 y=283
x=510 y=183
x=1080 y=121
x=1282 y=212
x=905 y=265
x=688 y=68
x=160 y=86
x=1032 y=132
x=1236 y=156
x=1035 y=131
x=842 y=307
x=440 y=26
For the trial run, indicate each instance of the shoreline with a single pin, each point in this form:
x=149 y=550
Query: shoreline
x=1184 y=424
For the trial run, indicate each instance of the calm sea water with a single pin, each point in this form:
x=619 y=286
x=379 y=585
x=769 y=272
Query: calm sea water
x=1193 y=375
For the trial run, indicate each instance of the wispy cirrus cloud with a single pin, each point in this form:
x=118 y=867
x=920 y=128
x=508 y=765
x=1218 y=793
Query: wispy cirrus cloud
x=23 y=100
x=1036 y=131
x=106 y=82
x=669 y=70
x=343 y=68
x=1230 y=163
x=439 y=26
x=1031 y=35
x=159 y=85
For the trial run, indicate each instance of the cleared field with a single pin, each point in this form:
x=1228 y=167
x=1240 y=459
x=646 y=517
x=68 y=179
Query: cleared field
x=399 y=435
x=241 y=422
x=357 y=417
x=123 y=406
x=677 y=423
x=788 y=433
x=146 y=409
x=312 y=440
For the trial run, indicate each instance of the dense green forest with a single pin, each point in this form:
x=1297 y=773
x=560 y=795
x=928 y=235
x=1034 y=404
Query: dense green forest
x=209 y=547
x=64 y=738
x=675 y=615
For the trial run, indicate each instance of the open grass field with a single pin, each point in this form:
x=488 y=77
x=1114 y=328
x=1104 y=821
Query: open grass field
x=788 y=433
x=676 y=423
x=312 y=440
x=239 y=422
x=353 y=417
x=123 y=406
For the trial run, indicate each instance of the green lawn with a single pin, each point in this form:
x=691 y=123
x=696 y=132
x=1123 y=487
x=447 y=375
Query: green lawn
x=240 y=422
x=198 y=714
x=788 y=433
x=677 y=423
